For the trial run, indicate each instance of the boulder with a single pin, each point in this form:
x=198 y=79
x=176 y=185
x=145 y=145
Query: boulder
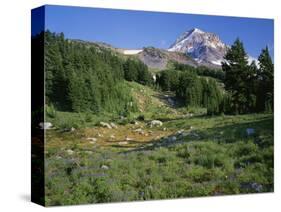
x=173 y=138
x=250 y=131
x=128 y=139
x=123 y=143
x=179 y=132
x=72 y=129
x=104 y=124
x=140 y=131
x=156 y=123
x=113 y=125
x=45 y=125
x=105 y=167
x=252 y=186
x=99 y=135
x=92 y=139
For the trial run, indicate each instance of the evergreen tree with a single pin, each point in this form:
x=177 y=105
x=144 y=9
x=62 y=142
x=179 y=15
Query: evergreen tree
x=266 y=81
x=237 y=76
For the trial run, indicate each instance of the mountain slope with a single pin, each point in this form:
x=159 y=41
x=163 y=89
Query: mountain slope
x=160 y=58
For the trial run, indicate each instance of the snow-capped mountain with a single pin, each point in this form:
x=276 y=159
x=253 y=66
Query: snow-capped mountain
x=204 y=47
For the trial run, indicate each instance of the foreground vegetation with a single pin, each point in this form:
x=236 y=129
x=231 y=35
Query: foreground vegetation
x=211 y=156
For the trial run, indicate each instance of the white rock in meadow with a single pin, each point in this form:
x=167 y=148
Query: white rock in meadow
x=128 y=139
x=72 y=129
x=113 y=125
x=123 y=143
x=104 y=124
x=45 y=125
x=105 y=167
x=92 y=139
x=179 y=132
x=156 y=123
x=138 y=130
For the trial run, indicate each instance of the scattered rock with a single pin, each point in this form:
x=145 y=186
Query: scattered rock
x=113 y=125
x=172 y=139
x=70 y=152
x=188 y=115
x=99 y=135
x=171 y=101
x=257 y=187
x=164 y=129
x=105 y=167
x=123 y=143
x=91 y=139
x=140 y=131
x=104 y=124
x=156 y=123
x=250 y=131
x=72 y=129
x=252 y=186
x=180 y=132
x=112 y=136
x=128 y=139
x=45 y=125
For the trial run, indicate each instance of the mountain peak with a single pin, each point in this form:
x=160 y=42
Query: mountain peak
x=204 y=47
x=197 y=30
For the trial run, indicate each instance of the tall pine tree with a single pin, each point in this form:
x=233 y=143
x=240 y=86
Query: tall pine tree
x=266 y=75
x=237 y=76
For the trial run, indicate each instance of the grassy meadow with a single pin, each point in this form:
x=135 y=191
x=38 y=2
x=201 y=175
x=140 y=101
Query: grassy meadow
x=190 y=155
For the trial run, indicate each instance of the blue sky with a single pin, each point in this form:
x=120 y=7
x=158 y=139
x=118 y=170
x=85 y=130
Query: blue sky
x=136 y=29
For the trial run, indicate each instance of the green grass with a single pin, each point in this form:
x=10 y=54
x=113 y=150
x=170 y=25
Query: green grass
x=221 y=160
